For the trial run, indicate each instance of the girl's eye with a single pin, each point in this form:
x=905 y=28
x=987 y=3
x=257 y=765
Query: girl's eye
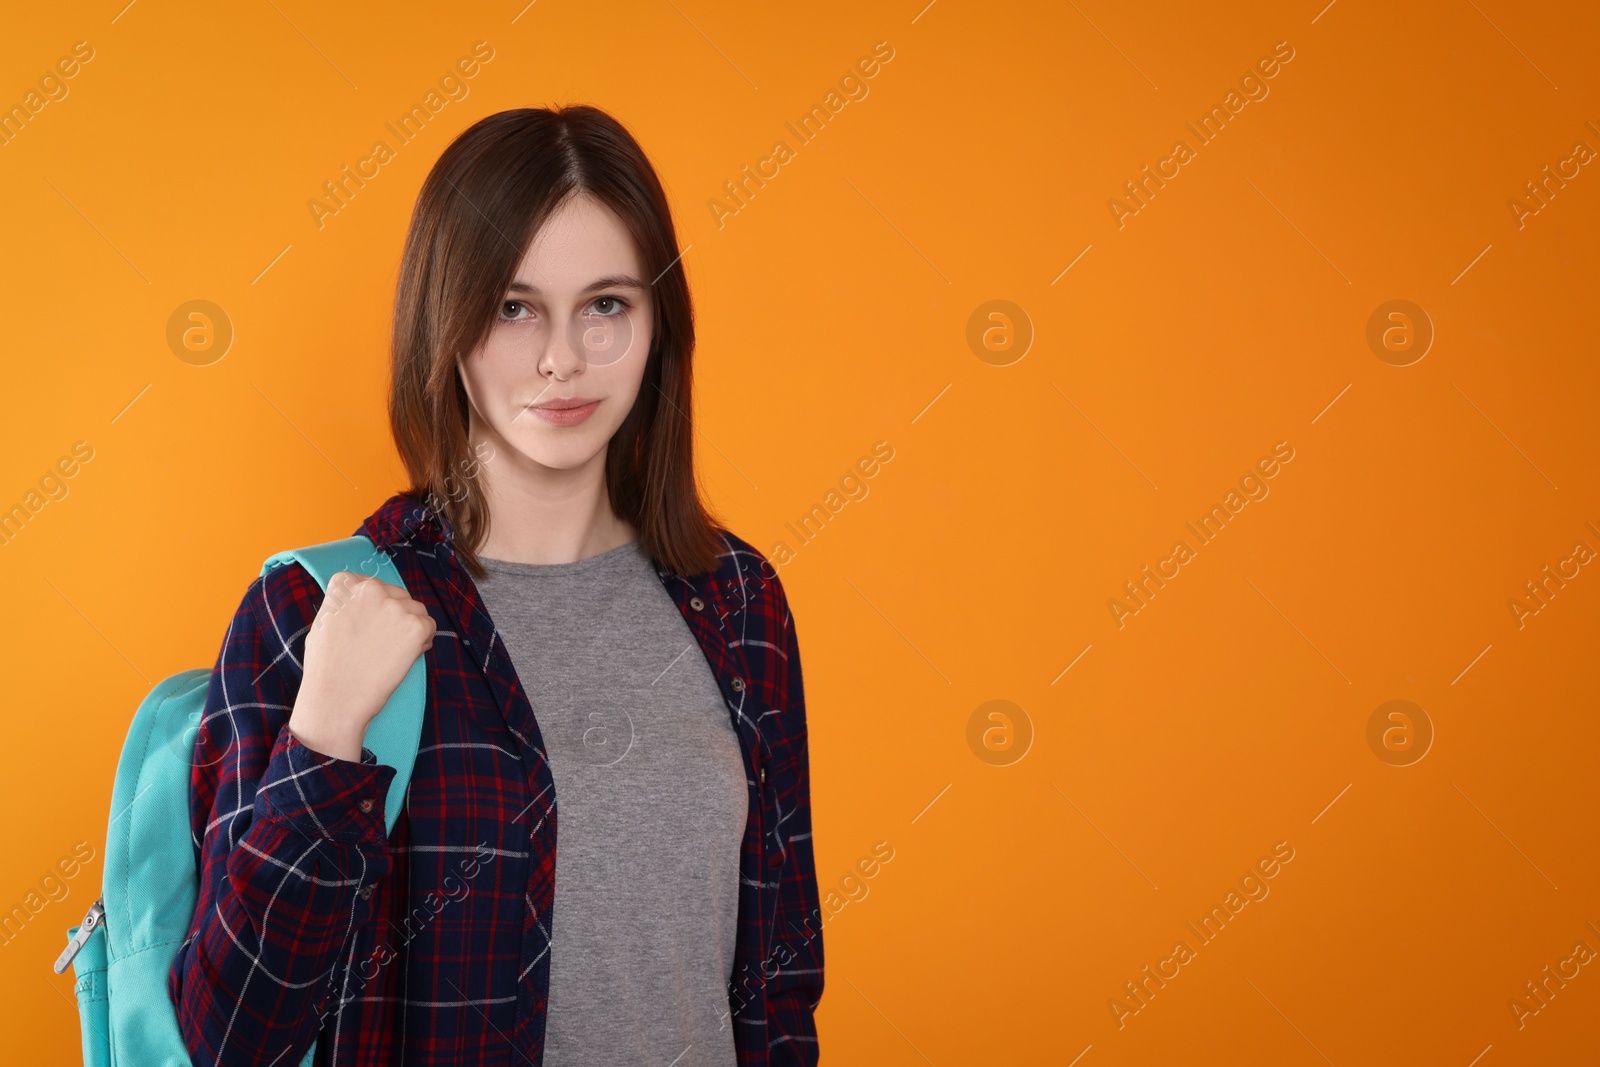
x=509 y=309
x=613 y=305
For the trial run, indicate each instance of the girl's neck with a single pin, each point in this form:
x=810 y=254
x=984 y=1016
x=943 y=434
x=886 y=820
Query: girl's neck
x=545 y=515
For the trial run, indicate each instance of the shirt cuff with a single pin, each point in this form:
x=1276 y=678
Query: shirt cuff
x=324 y=796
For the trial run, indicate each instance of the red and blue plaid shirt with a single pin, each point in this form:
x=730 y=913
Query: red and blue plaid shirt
x=431 y=946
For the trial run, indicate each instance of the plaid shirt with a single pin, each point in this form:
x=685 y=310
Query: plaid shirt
x=432 y=945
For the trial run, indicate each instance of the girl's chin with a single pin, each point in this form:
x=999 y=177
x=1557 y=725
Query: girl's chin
x=567 y=454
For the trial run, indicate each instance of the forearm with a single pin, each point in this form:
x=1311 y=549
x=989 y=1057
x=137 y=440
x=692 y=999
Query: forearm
x=278 y=907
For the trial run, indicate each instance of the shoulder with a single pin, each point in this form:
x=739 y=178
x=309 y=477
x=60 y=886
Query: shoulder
x=739 y=556
x=281 y=604
x=746 y=580
x=401 y=527
x=753 y=610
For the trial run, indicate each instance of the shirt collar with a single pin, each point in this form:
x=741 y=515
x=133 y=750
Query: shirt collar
x=404 y=518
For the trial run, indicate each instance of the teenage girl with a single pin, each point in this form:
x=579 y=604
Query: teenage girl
x=605 y=853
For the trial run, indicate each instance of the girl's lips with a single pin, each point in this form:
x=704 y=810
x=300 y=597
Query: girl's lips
x=566 y=416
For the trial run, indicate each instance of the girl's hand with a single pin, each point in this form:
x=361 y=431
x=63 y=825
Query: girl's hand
x=359 y=648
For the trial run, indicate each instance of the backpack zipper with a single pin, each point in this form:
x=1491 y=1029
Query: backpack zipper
x=92 y=920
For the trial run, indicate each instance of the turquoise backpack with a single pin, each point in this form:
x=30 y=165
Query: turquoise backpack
x=125 y=946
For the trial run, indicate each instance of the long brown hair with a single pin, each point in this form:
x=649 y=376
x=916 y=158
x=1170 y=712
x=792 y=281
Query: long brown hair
x=477 y=214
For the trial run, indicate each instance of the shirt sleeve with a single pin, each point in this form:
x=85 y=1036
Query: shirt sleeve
x=796 y=954
x=283 y=844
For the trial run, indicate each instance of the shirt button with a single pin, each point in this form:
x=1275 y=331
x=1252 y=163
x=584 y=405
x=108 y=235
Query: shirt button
x=366 y=805
x=763 y=776
x=366 y=892
x=696 y=603
x=738 y=685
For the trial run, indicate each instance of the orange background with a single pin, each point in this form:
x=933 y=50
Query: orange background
x=1228 y=715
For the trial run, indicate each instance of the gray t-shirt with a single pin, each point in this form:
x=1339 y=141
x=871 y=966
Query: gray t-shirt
x=651 y=805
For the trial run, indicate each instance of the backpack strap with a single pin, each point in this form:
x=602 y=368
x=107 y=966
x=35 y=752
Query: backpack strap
x=394 y=734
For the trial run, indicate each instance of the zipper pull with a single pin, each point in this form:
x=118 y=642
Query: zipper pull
x=94 y=919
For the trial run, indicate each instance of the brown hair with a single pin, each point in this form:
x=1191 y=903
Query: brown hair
x=476 y=215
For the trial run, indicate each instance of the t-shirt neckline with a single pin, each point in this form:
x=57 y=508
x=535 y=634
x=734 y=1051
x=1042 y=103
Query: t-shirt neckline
x=539 y=570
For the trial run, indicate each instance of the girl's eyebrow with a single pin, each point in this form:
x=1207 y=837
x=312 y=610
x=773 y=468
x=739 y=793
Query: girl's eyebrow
x=615 y=281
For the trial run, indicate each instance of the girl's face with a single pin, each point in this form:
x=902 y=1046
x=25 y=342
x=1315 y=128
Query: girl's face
x=564 y=360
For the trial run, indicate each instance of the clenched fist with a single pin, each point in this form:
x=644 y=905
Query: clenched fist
x=359 y=648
